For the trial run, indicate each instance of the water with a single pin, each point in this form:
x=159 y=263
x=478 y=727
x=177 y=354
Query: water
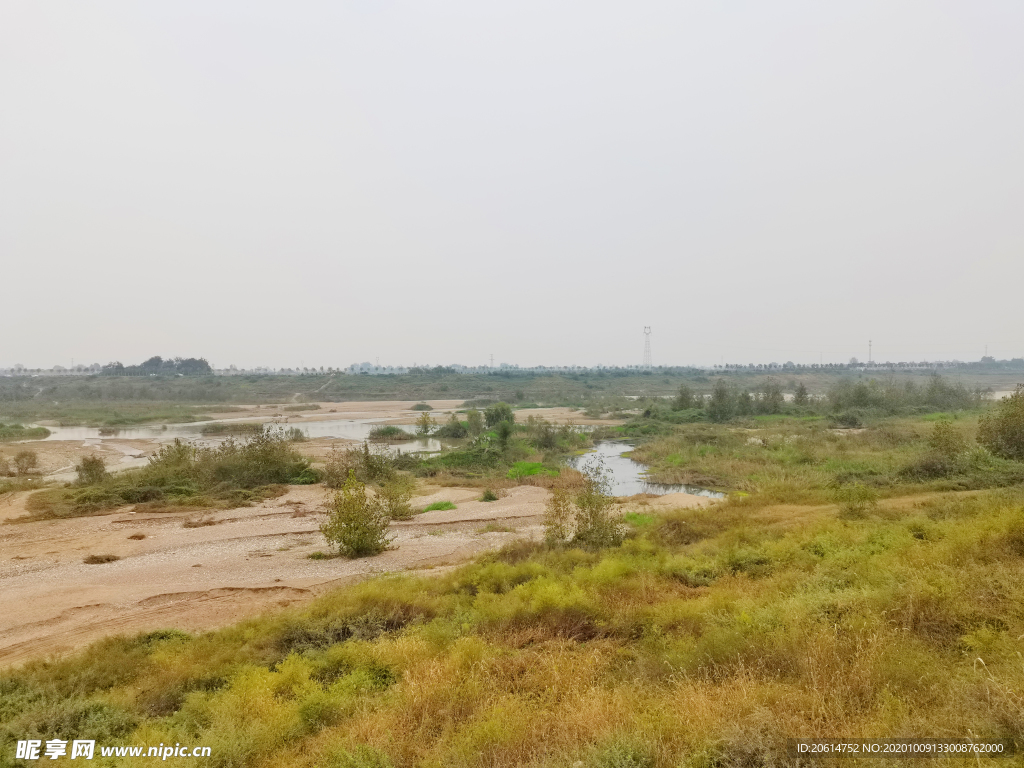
x=628 y=477
x=350 y=429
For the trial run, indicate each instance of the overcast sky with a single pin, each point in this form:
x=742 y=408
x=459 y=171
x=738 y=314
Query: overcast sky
x=320 y=183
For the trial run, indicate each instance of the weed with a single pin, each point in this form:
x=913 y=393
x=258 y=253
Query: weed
x=100 y=559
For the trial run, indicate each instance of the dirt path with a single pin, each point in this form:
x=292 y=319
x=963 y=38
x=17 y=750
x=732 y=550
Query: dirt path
x=251 y=560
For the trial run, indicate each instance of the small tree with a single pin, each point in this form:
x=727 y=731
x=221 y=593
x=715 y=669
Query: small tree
x=498 y=413
x=424 y=424
x=357 y=524
x=25 y=461
x=720 y=407
x=1002 y=432
x=91 y=471
x=744 y=404
x=505 y=430
x=772 y=398
x=801 y=397
x=474 y=422
x=685 y=399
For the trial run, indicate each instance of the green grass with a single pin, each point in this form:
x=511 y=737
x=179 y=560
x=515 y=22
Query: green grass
x=522 y=469
x=439 y=505
x=390 y=433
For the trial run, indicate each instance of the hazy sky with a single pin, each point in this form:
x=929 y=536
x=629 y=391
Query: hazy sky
x=322 y=183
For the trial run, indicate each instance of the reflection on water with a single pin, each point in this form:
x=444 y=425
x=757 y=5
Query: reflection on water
x=349 y=429
x=628 y=476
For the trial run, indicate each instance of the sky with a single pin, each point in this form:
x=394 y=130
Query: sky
x=321 y=183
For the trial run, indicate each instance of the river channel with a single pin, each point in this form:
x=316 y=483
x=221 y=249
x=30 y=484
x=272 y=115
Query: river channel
x=629 y=477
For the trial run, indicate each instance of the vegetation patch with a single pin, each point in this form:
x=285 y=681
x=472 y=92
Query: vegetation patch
x=182 y=475
x=439 y=505
x=389 y=433
x=13 y=432
x=100 y=559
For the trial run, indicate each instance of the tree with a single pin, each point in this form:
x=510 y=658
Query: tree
x=474 y=422
x=1002 y=432
x=497 y=413
x=504 y=430
x=744 y=404
x=91 y=471
x=685 y=399
x=424 y=424
x=772 y=398
x=720 y=407
x=356 y=524
x=801 y=397
x=25 y=461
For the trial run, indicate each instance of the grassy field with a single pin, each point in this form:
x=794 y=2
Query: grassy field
x=856 y=583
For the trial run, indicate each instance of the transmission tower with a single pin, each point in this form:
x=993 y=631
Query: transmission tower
x=647 y=347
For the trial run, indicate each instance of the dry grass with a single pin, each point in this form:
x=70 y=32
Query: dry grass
x=100 y=559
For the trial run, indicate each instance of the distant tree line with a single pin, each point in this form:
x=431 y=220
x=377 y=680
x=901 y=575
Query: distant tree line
x=156 y=365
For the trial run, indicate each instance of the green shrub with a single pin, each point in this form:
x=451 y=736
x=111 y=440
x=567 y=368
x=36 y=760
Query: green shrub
x=489 y=495
x=583 y=517
x=356 y=524
x=497 y=413
x=422 y=407
x=395 y=494
x=388 y=433
x=1002 y=432
x=91 y=470
x=454 y=428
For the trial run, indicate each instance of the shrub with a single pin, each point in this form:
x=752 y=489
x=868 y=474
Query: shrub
x=1002 y=432
x=801 y=396
x=489 y=495
x=388 y=432
x=25 y=461
x=91 y=471
x=497 y=413
x=100 y=559
x=855 y=500
x=395 y=495
x=721 y=405
x=422 y=407
x=583 y=516
x=453 y=429
x=356 y=524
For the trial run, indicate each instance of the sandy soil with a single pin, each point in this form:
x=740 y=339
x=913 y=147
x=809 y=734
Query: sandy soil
x=242 y=563
x=249 y=561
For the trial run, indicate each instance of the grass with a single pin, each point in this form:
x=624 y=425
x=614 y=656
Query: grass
x=707 y=638
x=439 y=505
x=521 y=469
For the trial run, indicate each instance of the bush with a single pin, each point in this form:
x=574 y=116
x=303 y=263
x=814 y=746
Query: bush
x=498 y=413
x=855 y=500
x=91 y=471
x=395 y=495
x=489 y=495
x=583 y=517
x=1002 y=432
x=100 y=559
x=422 y=407
x=25 y=461
x=686 y=399
x=356 y=524
x=388 y=433
x=454 y=428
